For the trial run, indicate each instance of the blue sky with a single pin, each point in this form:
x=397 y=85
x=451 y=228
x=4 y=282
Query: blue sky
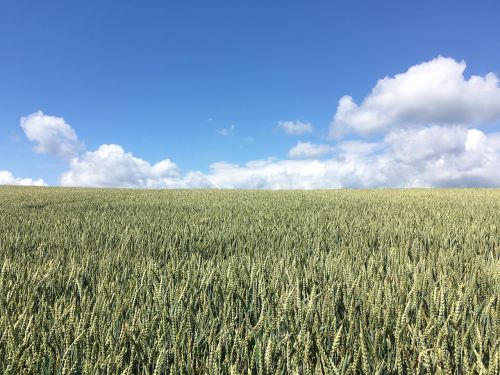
x=163 y=80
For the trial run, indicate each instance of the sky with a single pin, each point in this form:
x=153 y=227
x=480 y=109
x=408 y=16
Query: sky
x=250 y=94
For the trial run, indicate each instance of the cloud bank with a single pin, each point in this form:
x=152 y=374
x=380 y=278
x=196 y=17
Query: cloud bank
x=417 y=157
x=464 y=158
x=7 y=178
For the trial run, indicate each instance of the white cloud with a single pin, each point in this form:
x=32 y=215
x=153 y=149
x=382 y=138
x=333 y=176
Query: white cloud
x=7 y=178
x=418 y=157
x=52 y=135
x=432 y=93
x=192 y=180
x=267 y=174
x=309 y=150
x=359 y=148
x=475 y=139
x=428 y=121
x=413 y=145
x=226 y=131
x=111 y=166
x=423 y=157
x=296 y=174
x=295 y=127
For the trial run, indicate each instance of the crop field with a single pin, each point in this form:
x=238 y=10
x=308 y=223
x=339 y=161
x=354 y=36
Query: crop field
x=249 y=282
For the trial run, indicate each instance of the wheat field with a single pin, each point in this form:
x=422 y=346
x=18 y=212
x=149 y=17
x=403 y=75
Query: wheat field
x=249 y=282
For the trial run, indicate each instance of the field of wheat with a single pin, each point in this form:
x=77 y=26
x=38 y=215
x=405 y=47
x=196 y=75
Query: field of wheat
x=249 y=282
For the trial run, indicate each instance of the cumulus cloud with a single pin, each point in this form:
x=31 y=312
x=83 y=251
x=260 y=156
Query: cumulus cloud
x=7 y=178
x=413 y=145
x=293 y=174
x=111 y=166
x=295 y=127
x=423 y=157
x=414 y=157
x=432 y=93
x=267 y=174
x=52 y=135
x=309 y=150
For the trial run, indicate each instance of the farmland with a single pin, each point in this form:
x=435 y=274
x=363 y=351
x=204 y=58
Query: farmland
x=249 y=282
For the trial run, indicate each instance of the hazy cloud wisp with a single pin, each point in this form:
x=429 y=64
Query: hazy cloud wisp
x=309 y=150
x=295 y=127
